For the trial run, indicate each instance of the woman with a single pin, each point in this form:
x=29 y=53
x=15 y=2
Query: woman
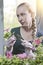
x=25 y=34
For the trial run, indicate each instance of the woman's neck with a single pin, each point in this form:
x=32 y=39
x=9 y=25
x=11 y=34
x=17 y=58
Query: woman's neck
x=26 y=28
x=27 y=35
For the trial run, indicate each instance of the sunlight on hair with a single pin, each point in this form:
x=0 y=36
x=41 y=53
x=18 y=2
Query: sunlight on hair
x=32 y=3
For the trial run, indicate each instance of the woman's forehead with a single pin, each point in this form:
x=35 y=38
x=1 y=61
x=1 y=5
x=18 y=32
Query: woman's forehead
x=22 y=8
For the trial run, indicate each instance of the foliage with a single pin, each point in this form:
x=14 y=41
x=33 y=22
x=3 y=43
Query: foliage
x=17 y=61
x=7 y=35
x=38 y=43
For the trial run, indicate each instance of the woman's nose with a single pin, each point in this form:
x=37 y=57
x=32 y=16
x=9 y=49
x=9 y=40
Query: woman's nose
x=20 y=18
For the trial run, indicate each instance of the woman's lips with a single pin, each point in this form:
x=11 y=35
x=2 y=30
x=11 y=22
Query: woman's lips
x=22 y=22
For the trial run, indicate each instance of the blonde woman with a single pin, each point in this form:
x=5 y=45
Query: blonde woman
x=24 y=34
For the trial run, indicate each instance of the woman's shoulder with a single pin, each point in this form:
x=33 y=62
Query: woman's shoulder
x=15 y=29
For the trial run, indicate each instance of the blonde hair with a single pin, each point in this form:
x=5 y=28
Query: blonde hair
x=33 y=18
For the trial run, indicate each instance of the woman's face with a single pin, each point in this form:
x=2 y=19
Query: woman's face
x=24 y=17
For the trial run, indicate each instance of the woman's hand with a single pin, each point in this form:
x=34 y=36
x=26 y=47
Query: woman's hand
x=11 y=41
x=26 y=44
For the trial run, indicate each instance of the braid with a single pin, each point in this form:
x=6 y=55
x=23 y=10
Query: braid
x=33 y=28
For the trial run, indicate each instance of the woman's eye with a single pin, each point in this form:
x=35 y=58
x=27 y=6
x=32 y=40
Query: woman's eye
x=22 y=14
